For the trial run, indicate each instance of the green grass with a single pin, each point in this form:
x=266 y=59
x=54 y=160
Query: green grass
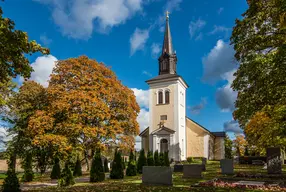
x=134 y=183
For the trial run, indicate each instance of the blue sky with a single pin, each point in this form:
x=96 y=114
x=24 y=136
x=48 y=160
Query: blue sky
x=127 y=35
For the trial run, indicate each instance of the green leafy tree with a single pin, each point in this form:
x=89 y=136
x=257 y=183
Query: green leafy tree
x=142 y=161
x=117 y=171
x=150 y=159
x=77 y=169
x=56 y=170
x=66 y=178
x=106 y=168
x=28 y=168
x=131 y=168
x=166 y=159
x=161 y=159
x=97 y=171
x=228 y=147
x=156 y=158
x=259 y=39
x=14 y=47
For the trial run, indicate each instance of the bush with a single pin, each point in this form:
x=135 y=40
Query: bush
x=190 y=159
x=150 y=159
x=166 y=159
x=66 y=178
x=77 y=169
x=142 y=161
x=161 y=159
x=28 y=169
x=117 y=171
x=56 y=171
x=131 y=168
x=106 y=169
x=248 y=160
x=96 y=171
x=156 y=158
x=11 y=182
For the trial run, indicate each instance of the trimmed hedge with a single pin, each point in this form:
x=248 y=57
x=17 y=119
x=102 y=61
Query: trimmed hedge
x=249 y=159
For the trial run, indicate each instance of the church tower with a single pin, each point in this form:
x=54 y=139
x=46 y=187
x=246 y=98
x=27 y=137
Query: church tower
x=167 y=104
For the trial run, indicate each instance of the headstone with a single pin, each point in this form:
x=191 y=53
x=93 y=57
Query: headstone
x=204 y=163
x=178 y=168
x=192 y=171
x=274 y=160
x=226 y=166
x=250 y=183
x=155 y=175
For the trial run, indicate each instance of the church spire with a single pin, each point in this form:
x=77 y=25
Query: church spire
x=167 y=44
x=168 y=58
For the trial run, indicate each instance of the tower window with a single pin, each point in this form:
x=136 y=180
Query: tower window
x=167 y=97
x=163 y=117
x=160 y=99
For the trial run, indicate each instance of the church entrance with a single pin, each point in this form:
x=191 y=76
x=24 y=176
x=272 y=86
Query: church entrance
x=164 y=145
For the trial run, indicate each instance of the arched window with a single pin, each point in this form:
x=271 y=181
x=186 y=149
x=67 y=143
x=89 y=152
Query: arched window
x=167 y=97
x=160 y=97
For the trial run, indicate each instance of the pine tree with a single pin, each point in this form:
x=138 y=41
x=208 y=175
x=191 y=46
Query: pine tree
x=66 y=178
x=142 y=161
x=56 y=171
x=150 y=159
x=131 y=168
x=156 y=158
x=11 y=182
x=161 y=159
x=106 y=169
x=96 y=171
x=77 y=169
x=117 y=171
x=28 y=169
x=166 y=159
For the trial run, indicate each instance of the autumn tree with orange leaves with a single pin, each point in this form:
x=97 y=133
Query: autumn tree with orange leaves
x=89 y=108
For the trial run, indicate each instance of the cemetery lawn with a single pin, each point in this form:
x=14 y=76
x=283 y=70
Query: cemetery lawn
x=134 y=183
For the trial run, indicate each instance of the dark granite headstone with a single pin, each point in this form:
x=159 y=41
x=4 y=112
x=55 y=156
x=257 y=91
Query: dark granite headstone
x=226 y=166
x=157 y=175
x=274 y=161
x=178 y=168
x=192 y=171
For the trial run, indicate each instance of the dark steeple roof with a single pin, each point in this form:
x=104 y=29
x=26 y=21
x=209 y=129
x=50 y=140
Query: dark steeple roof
x=167 y=44
x=168 y=58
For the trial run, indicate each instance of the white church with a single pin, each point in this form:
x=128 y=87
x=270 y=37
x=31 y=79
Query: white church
x=169 y=127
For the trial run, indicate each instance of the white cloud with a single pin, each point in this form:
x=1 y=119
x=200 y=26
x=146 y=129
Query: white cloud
x=173 y=5
x=220 y=10
x=197 y=108
x=147 y=73
x=4 y=137
x=195 y=27
x=138 y=40
x=76 y=18
x=232 y=126
x=45 y=40
x=155 y=48
x=219 y=61
x=43 y=67
x=221 y=29
x=143 y=119
x=142 y=97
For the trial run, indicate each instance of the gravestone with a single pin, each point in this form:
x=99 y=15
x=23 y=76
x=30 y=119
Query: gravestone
x=154 y=175
x=204 y=163
x=178 y=168
x=274 y=160
x=192 y=171
x=226 y=166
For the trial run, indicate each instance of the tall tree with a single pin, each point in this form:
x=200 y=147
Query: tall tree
x=259 y=39
x=14 y=47
x=239 y=144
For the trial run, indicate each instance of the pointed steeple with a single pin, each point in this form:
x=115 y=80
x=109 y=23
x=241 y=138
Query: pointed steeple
x=168 y=58
x=167 y=44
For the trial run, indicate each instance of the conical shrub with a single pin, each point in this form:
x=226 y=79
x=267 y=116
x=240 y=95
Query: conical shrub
x=28 y=168
x=56 y=170
x=11 y=182
x=97 y=171
x=166 y=159
x=131 y=168
x=66 y=178
x=156 y=158
x=117 y=171
x=150 y=159
x=77 y=169
x=142 y=161
x=106 y=168
x=161 y=159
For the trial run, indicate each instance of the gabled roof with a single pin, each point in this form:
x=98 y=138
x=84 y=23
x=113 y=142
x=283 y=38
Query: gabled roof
x=144 y=131
x=202 y=127
x=165 y=129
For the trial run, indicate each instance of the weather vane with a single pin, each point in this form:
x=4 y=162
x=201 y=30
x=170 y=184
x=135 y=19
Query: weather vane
x=167 y=14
